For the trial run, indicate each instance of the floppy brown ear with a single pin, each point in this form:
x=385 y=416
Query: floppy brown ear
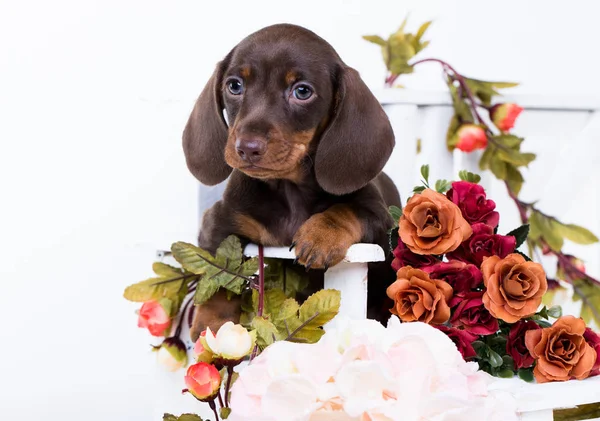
x=358 y=141
x=205 y=134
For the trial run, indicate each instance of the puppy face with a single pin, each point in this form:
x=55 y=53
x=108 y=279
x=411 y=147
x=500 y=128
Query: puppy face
x=277 y=96
x=293 y=108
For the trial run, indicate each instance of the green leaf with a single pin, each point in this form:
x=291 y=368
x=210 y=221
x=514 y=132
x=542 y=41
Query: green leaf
x=514 y=179
x=505 y=373
x=508 y=140
x=520 y=234
x=527 y=258
x=183 y=417
x=192 y=258
x=205 y=289
x=166 y=271
x=589 y=294
x=486 y=90
x=486 y=158
x=225 y=412
x=282 y=274
x=515 y=157
x=442 y=186
x=396 y=214
x=267 y=332
x=419 y=189
x=555 y=312
x=422 y=29
x=154 y=289
x=465 y=175
x=274 y=299
x=425 y=173
x=288 y=310
x=320 y=307
x=575 y=233
x=526 y=374
x=375 y=39
x=452 y=128
x=231 y=249
x=498 y=167
x=495 y=359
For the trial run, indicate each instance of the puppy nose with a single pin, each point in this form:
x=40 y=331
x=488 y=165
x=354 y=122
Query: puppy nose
x=250 y=150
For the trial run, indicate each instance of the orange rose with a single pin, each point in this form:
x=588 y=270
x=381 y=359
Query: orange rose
x=514 y=287
x=419 y=298
x=561 y=351
x=432 y=224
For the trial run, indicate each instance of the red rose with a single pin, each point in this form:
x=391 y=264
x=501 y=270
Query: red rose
x=473 y=203
x=593 y=340
x=515 y=345
x=504 y=115
x=470 y=137
x=154 y=317
x=462 y=339
x=473 y=317
x=404 y=257
x=484 y=243
x=461 y=276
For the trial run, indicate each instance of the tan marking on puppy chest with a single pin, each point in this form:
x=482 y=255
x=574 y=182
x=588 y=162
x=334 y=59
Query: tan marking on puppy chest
x=254 y=231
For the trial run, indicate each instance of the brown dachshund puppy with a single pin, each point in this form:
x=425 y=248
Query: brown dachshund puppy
x=303 y=144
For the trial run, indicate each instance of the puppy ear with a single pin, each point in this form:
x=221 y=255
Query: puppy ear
x=205 y=134
x=358 y=141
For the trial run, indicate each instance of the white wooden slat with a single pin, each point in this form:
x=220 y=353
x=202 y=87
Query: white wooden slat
x=357 y=253
x=402 y=165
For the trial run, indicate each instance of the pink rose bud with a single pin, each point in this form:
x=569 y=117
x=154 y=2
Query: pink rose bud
x=504 y=115
x=202 y=351
x=155 y=317
x=203 y=381
x=231 y=343
x=470 y=137
x=578 y=263
x=172 y=354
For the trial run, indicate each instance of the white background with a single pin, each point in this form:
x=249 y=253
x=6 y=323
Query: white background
x=93 y=99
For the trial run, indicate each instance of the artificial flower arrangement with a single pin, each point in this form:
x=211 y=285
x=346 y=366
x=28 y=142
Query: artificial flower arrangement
x=465 y=303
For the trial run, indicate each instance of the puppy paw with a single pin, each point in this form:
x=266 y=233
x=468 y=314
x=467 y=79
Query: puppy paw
x=323 y=240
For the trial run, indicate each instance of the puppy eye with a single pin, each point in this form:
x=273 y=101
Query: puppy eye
x=235 y=86
x=302 y=92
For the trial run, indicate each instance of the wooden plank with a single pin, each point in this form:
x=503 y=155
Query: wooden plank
x=357 y=253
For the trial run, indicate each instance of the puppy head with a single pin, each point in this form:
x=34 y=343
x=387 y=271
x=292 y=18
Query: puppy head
x=291 y=103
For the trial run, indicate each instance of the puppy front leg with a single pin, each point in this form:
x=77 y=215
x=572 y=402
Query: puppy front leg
x=324 y=239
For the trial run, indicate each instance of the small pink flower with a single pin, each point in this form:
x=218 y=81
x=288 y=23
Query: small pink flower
x=504 y=115
x=154 y=317
x=470 y=137
x=203 y=381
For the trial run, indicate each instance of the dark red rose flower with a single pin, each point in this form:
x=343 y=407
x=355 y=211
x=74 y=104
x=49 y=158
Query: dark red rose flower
x=484 y=243
x=404 y=257
x=461 y=276
x=473 y=203
x=462 y=339
x=515 y=345
x=472 y=316
x=593 y=339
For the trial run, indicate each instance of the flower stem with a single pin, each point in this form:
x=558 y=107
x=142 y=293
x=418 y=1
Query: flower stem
x=214 y=408
x=261 y=293
x=182 y=315
x=463 y=83
x=228 y=384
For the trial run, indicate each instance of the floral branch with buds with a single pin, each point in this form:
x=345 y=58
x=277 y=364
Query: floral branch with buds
x=469 y=131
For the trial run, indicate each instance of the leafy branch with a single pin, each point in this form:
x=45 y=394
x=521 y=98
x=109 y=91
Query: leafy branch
x=469 y=130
